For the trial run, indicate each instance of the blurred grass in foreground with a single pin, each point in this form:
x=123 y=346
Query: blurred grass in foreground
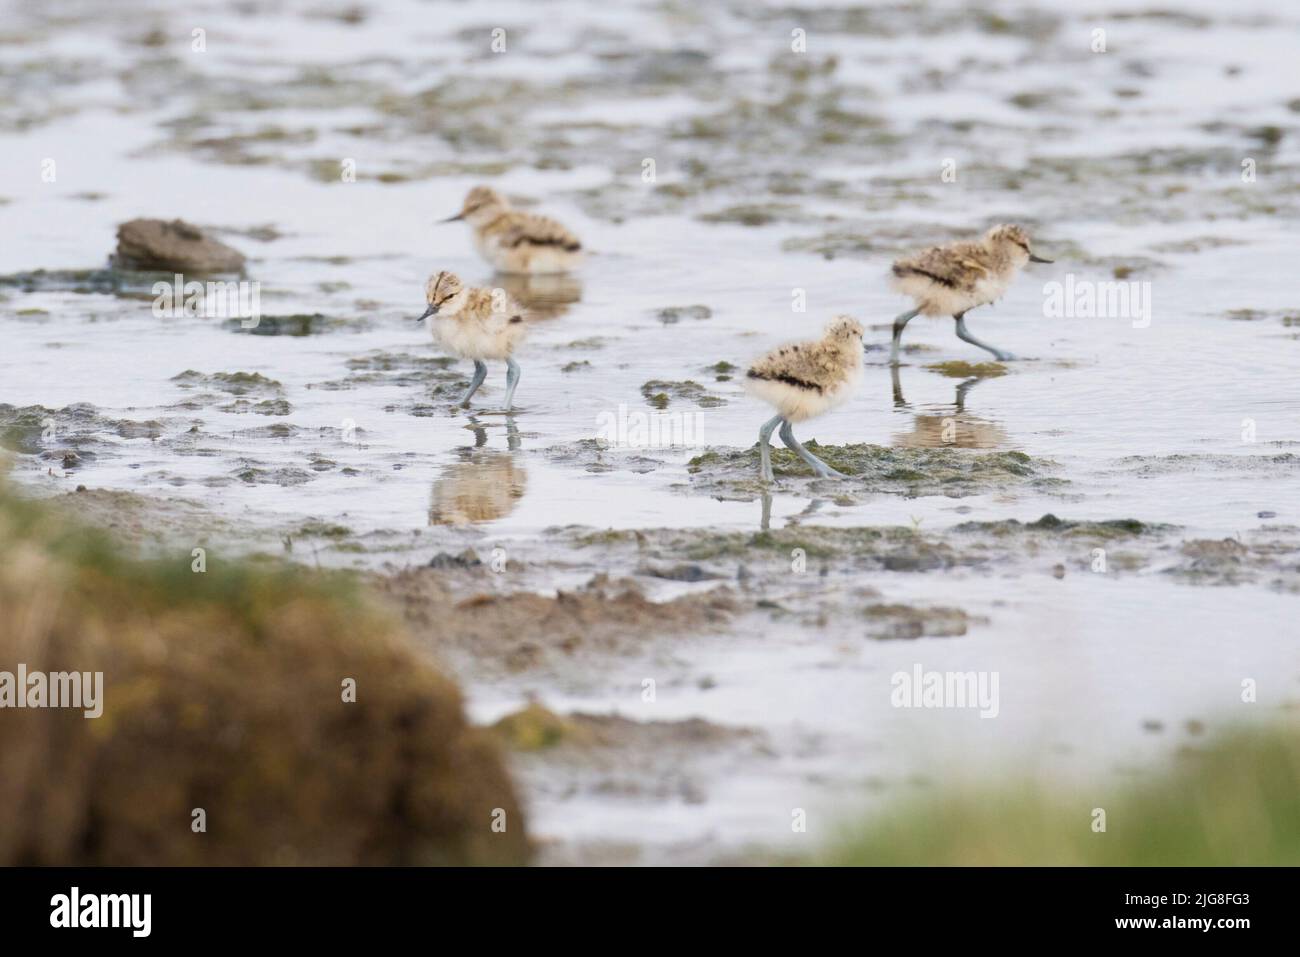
x=223 y=690
x=1236 y=801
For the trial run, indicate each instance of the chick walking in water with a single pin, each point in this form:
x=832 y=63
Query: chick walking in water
x=804 y=380
x=514 y=241
x=477 y=324
x=951 y=280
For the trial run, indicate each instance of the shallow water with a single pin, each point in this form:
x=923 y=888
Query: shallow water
x=1112 y=161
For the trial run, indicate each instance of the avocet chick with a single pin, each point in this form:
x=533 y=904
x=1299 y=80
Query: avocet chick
x=476 y=324
x=953 y=279
x=803 y=380
x=514 y=241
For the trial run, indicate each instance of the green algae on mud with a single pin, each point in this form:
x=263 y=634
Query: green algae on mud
x=660 y=393
x=960 y=369
x=264 y=407
x=403 y=369
x=722 y=554
x=120 y=282
x=235 y=383
x=1269 y=556
x=299 y=324
x=536 y=728
x=762 y=558
x=1280 y=463
x=708 y=544
x=114 y=279
x=1112 y=528
x=36 y=430
x=878 y=468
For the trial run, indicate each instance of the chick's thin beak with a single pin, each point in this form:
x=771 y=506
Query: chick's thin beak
x=431 y=311
x=453 y=219
x=1039 y=259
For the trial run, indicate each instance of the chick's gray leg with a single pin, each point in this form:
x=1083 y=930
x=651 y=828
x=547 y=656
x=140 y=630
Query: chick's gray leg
x=765 y=448
x=480 y=373
x=964 y=334
x=818 y=466
x=512 y=380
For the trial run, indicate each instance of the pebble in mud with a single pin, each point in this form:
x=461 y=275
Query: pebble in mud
x=155 y=244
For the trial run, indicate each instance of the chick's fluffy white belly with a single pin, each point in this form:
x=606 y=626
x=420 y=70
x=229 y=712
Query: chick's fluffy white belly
x=797 y=404
x=474 y=340
x=936 y=299
x=526 y=259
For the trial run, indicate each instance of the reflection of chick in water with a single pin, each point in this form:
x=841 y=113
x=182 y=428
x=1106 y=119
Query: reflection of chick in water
x=955 y=429
x=483 y=488
x=546 y=296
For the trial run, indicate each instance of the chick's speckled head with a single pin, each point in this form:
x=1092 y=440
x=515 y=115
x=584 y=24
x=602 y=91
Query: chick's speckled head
x=845 y=329
x=444 y=293
x=482 y=203
x=1013 y=242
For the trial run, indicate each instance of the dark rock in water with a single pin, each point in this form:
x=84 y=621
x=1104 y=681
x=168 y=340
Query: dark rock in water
x=680 y=573
x=911 y=560
x=673 y=314
x=177 y=246
x=466 y=559
x=1266 y=515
